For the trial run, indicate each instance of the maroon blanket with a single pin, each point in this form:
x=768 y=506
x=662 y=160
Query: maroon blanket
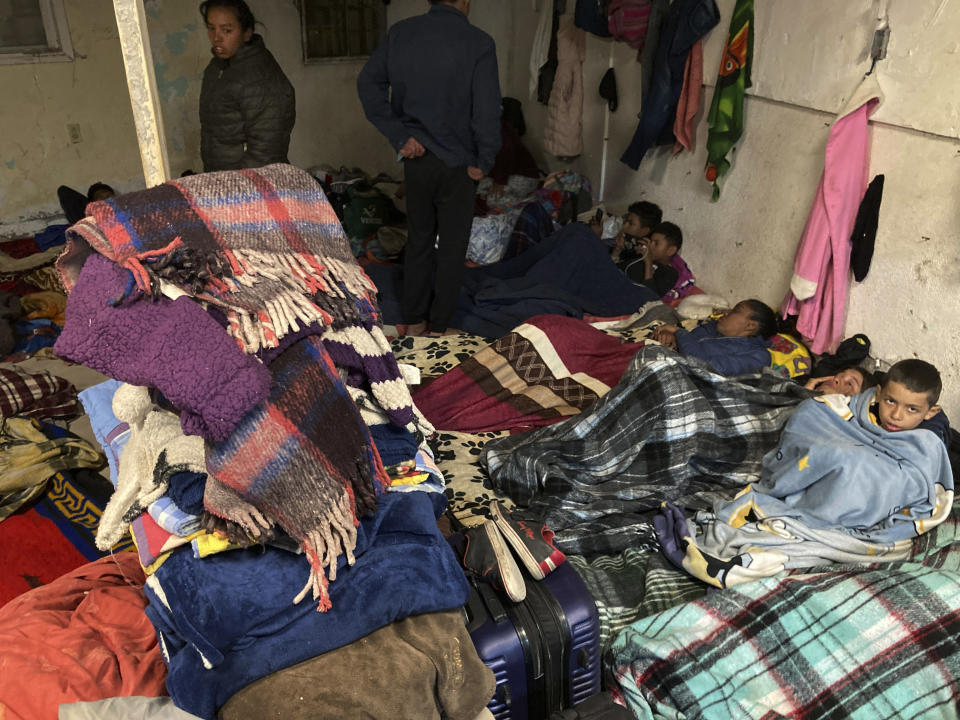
x=544 y=370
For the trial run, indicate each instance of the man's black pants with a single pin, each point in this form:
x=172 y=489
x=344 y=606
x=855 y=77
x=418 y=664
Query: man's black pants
x=439 y=200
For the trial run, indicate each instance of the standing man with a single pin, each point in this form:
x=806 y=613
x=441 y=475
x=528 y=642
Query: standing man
x=432 y=88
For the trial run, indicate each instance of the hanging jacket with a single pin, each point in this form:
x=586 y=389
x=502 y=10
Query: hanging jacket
x=247 y=110
x=687 y=21
x=821 y=267
x=865 y=229
x=563 y=134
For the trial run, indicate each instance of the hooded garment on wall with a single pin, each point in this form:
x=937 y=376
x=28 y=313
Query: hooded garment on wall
x=563 y=134
x=821 y=268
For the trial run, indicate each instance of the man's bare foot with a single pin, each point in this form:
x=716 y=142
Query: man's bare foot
x=415 y=330
x=441 y=333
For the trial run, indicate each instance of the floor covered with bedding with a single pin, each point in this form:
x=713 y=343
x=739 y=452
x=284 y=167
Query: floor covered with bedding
x=127 y=573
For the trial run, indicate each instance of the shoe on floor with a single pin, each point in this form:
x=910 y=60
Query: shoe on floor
x=488 y=557
x=532 y=542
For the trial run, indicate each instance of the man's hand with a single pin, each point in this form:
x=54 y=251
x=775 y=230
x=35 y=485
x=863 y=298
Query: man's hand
x=666 y=336
x=475 y=173
x=412 y=149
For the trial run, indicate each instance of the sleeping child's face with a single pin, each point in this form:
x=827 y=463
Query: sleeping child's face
x=902 y=409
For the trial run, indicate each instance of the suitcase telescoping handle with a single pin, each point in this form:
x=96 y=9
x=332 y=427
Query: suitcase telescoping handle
x=482 y=603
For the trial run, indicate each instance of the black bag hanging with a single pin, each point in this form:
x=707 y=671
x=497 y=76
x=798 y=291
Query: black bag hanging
x=608 y=89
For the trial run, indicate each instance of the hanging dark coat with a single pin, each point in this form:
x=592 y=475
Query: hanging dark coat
x=687 y=22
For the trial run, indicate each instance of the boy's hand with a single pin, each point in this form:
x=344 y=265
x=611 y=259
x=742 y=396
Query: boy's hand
x=475 y=173
x=815 y=383
x=666 y=335
x=617 y=247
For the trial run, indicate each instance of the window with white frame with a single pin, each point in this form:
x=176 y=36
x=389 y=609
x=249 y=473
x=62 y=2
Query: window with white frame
x=341 y=29
x=34 y=31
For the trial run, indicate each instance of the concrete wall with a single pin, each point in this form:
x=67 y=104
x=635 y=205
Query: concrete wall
x=743 y=245
x=41 y=99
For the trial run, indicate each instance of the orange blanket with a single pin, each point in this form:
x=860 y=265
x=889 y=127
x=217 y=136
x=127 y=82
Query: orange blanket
x=82 y=637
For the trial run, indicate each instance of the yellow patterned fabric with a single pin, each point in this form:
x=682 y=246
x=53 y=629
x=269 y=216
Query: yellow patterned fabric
x=74 y=505
x=28 y=458
x=788 y=356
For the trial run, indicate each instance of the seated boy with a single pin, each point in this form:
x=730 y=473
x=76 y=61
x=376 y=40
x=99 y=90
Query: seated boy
x=638 y=223
x=907 y=399
x=851 y=480
x=734 y=344
x=653 y=268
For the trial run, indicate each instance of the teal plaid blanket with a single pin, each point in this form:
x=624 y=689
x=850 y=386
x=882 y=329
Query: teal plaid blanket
x=876 y=642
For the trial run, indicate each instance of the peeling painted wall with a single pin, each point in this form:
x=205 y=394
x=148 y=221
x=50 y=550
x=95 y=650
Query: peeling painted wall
x=743 y=245
x=41 y=99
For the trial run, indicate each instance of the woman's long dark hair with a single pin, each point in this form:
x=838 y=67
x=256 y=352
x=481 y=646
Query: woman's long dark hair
x=239 y=7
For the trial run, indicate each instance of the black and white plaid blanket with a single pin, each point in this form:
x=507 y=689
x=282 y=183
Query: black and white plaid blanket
x=670 y=430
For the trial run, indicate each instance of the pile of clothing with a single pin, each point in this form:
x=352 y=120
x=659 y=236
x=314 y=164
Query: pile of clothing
x=256 y=388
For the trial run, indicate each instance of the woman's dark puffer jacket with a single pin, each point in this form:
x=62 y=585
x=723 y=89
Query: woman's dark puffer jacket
x=247 y=110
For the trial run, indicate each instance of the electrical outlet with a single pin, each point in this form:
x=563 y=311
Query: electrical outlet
x=73 y=130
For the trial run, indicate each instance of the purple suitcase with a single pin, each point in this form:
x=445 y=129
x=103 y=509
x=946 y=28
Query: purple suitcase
x=544 y=651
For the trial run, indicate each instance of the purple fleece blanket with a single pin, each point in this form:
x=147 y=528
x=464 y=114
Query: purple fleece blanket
x=172 y=345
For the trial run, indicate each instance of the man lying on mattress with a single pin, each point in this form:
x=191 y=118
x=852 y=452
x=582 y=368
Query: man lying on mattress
x=853 y=480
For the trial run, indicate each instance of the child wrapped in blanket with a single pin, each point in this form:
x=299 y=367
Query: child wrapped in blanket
x=647 y=250
x=852 y=480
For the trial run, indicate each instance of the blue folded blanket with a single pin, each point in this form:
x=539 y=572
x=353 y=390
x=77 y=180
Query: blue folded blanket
x=227 y=620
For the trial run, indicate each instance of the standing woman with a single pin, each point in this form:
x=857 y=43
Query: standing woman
x=247 y=104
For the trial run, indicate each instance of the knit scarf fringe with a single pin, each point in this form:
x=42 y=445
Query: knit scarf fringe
x=336 y=533
x=270 y=295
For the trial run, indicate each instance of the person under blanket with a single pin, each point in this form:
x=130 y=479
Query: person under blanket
x=850 y=381
x=639 y=221
x=908 y=398
x=734 y=344
x=851 y=480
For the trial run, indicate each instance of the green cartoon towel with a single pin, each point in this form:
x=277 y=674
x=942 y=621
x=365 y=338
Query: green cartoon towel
x=733 y=79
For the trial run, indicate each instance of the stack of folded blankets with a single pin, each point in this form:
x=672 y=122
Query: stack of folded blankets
x=252 y=384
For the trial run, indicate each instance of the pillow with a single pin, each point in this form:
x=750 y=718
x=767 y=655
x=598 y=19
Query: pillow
x=700 y=306
x=788 y=356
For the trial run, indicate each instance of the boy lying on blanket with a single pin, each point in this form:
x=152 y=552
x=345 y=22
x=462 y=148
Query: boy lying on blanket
x=852 y=480
x=734 y=344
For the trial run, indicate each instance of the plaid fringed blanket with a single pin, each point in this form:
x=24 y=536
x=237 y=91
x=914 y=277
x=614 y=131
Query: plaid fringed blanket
x=264 y=245
x=305 y=459
x=875 y=642
x=544 y=370
x=670 y=430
